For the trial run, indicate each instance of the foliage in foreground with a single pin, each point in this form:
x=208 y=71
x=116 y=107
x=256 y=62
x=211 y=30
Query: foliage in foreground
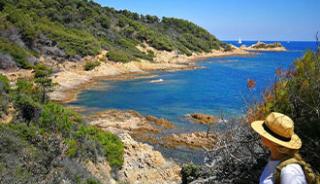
x=297 y=94
x=48 y=142
x=238 y=156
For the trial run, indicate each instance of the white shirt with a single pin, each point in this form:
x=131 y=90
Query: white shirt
x=291 y=174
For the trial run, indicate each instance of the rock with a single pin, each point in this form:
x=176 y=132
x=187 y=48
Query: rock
x=160 y=122
x=54 y=51
x=32 y=60
x=122 y=121
x=101 y=171
x=195 y=140
x=203 y=118
x=261 y=46
x=142 y=164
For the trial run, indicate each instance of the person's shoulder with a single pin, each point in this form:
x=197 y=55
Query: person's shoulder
x=292 y=174
x=295 y=169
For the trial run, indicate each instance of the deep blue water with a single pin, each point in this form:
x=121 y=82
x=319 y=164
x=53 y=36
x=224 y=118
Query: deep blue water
x=220 y=87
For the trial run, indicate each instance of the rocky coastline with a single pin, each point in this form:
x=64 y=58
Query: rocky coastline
x=71 y=78
x=141 y=162
x=261 y=46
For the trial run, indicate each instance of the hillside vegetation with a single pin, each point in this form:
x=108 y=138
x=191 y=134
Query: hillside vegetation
x=45 y=142
x=73 y=29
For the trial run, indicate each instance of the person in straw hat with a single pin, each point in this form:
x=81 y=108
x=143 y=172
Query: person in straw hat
x=277 y=134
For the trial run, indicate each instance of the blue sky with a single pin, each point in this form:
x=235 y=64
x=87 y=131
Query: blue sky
x=233 y=19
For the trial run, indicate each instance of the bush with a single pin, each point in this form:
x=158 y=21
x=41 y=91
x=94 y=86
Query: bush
x=56 y=118
x=90 y=65
x=238 y=157
x=72 y=41
x=72 y=147
x=190 y=172
x=27 y=87
x=112 y=146
x=4 y=94
x=27 y=107
x=4 y=84
x=118 y=56
x=43 y=80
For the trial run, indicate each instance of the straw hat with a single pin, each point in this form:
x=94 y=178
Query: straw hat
x=279 y=129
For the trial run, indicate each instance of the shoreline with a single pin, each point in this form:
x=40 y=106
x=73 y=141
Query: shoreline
x=72 y=79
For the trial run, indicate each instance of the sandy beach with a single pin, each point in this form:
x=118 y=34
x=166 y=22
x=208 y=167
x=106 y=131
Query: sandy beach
x=72 y=78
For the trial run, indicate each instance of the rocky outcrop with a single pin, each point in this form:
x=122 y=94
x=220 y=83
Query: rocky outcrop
x=144 y=165
x=101 y=171
x=202 y=118
x=161 y=122
x=195 y=140
x=122 y=121
x=129 y=121
x=261 y=46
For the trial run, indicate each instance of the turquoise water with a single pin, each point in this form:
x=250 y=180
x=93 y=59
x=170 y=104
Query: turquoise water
x=219 y=88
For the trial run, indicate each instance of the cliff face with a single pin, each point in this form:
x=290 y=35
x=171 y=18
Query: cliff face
x=60 y=30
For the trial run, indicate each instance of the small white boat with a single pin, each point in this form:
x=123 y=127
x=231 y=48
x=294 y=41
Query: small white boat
x=240 y=41
x=156 y=81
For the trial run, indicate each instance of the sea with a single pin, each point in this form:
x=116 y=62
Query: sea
x=219 y=88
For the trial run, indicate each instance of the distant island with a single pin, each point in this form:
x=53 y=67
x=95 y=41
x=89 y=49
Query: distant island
x=261 y=46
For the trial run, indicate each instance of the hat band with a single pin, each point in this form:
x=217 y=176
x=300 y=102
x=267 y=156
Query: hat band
x=267 y=129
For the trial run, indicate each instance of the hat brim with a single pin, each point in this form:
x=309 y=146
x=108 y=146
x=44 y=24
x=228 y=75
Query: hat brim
x=294 y=143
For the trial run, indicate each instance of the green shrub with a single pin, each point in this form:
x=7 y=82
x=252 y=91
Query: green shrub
x=27 y=87
x=118 y=56
x=92 y=181
x=190 y=172
x=112 y=146
x=28 y=133
x=90 y=65
x=27 y=107
x=4 y=84
x=151 y=53
x=72 y=41
x=56 y=118
x=4 y=94
x=72 y=147
x=43 y=80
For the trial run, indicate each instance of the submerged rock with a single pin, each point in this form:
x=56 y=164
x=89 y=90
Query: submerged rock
x=202 y=118
x=161 y=122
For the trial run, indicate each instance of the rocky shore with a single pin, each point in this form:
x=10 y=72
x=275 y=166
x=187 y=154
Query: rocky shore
x=261 y=46
x=142 y=163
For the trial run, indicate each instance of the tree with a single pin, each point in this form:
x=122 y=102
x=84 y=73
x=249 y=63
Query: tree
x=42 y=74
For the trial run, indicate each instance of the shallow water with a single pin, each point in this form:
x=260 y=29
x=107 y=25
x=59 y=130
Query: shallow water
x=219 y=88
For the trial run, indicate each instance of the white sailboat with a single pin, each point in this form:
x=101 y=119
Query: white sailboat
x=239 y=41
